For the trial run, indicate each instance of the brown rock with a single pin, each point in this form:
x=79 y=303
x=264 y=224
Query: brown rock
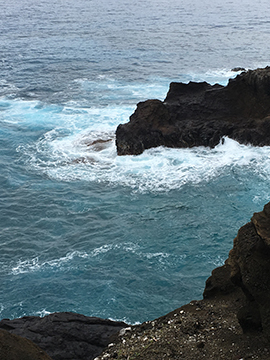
x=250 y=269
x=219 y=283
x=209 y=328
x=14 y=347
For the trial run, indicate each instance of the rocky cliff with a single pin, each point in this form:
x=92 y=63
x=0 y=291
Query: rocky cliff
x=199 y=114
x=231 y=322
x=249 y=261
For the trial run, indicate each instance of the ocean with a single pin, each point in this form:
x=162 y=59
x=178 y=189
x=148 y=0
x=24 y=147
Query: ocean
x=132 y=237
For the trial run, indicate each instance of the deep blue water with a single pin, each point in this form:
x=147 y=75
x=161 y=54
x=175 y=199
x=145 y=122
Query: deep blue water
x=128 y=238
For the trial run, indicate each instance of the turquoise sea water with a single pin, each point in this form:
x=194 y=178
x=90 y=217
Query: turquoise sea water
x=133 y=237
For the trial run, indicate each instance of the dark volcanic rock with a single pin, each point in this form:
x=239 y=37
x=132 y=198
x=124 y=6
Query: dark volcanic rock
x=219 y=283
x=250 y=269
x=66 y=335
x=199 y=114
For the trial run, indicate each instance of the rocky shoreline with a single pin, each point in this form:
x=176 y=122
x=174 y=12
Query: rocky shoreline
x=200 y=114
x=231 y=322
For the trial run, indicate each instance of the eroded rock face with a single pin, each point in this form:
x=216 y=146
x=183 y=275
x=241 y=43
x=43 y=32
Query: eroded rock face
x=199 y=114
x=65 y=335
x=250 y=269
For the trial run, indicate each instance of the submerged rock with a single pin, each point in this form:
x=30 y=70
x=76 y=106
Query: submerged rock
x=200 y=114
x=238 y=68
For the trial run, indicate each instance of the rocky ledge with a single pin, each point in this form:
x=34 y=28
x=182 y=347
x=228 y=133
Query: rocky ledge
x=199 y=114
x=62 y=336
x=231 y=322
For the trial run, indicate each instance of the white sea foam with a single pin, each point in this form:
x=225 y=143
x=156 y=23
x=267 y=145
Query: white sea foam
x=127 y=247
x=68 y=261
x=102 y=250
x=36 y=264
x=42 y=313
x=78 y=143
x=162 y=168
x=91 y=156
x=219 y=76
x=1 y=309
x=121 y=92
x=213 y=76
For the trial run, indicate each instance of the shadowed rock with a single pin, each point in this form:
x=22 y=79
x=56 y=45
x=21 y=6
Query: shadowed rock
x=66 y=335
x=250 y=269
x=14 y=347
x=199 y=114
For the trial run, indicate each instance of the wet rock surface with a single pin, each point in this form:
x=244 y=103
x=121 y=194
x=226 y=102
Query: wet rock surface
x=199 y=114
x=65 y=336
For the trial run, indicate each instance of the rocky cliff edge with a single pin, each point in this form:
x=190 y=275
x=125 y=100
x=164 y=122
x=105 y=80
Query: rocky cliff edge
x=231 y=322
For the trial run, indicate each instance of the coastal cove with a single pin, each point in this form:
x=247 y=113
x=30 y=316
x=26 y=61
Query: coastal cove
x=88 y=235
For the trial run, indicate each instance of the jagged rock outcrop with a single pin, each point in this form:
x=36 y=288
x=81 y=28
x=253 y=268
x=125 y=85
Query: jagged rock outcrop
x=220 y=282
x=65 y=335
x=199 y=114
x=250 y=269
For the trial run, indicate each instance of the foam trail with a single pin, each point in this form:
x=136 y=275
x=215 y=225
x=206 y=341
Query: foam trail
x=78 y=143
x=35 y=264
x=157 y=169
